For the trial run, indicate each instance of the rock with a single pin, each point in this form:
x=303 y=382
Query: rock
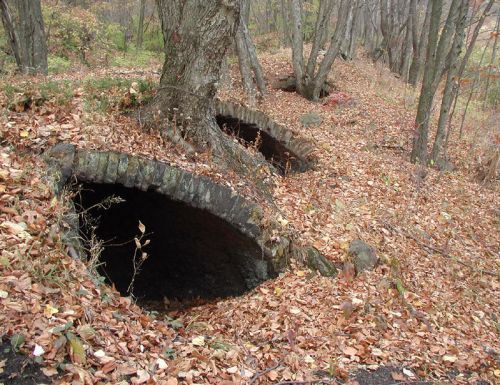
x=60 y=159
x=311 y=119
x=313 y=259
x=363 y=256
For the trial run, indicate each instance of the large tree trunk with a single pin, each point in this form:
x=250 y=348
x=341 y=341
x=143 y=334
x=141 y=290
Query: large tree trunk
x=197 y=34
x=27 y=35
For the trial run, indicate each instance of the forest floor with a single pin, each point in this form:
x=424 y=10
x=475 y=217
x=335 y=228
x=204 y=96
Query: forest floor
x=429 y=310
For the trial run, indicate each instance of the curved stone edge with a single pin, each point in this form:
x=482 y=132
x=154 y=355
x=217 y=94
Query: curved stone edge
x=65 y=162
x=300 y=147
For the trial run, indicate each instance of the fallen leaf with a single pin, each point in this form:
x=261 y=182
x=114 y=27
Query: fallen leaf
x=198 y=341
x=77 y=352
x=50 y=311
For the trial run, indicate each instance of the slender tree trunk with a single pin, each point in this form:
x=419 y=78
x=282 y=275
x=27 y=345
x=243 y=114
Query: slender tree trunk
x=247 y=56
x=370 y=33
x=244 y=64
x=10 y=31
x=468 y=52
x=314 y=90
x=140 y=27
x=473 y=87
x=297 y=44
x=447 y=98
x=320 y=32
x=408 y=44
x=27 y=38
x=419 y=148
x=417 y=62
x=286 y=23
x=354 y=35
x=492 y=63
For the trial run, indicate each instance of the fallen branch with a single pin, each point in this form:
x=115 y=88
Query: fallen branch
x=442 y=252
x=310 y=382
x=263 y=373
x=453 y=258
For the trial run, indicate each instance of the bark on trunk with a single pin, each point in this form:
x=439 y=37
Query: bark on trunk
x=419 y=148
x=410 y=43
x=297 y=44
x=311 y=81
x=321 y=30
x=10 y=30
x=27 y=36
x=197 y=34
x=244 y=64
x=247 y=56
x=436 y=59
x=447 y=99
x=418 y=57
x=140 y=27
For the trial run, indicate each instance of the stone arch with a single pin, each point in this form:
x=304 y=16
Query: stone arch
x=198 y=192
x=299 y=150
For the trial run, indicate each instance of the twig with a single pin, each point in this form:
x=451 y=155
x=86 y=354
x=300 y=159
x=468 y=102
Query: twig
x=442 y=252
x=310 y=382
x=449 y=256
x=262 y=373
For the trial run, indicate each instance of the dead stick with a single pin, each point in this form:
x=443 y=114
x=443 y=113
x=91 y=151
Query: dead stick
x=449 y=256
x=264 y=372
x=443 y=253
x=310 y=382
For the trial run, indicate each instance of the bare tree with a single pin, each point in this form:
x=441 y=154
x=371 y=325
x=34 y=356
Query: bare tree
x=247 y=56
x=26 y=35
x=447 y=98
x=418 y=53
x=438 y=48
x=310 y=80
x=140 y=27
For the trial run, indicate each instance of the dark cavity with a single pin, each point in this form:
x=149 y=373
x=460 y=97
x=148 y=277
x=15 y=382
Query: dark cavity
x=192 y=254
x=274 y=151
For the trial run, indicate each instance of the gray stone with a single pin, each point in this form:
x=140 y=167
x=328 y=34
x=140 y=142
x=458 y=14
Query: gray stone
x=112 y=168
x=145 y=174
x=317 y=261
x=160 y=168
x=102 y=166
x=132 y=170
x=170 y=181
x=311 y=119
x=60 y=158
x=121 y=174
x=363 y=256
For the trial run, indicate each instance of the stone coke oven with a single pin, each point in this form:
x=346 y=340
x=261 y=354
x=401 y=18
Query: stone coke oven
x=205 y=240
x=280 y=146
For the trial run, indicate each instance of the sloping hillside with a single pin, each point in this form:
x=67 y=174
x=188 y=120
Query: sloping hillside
x=428 y=307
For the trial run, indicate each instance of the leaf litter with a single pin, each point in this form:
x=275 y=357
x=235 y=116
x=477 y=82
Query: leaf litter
x=433 y=313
